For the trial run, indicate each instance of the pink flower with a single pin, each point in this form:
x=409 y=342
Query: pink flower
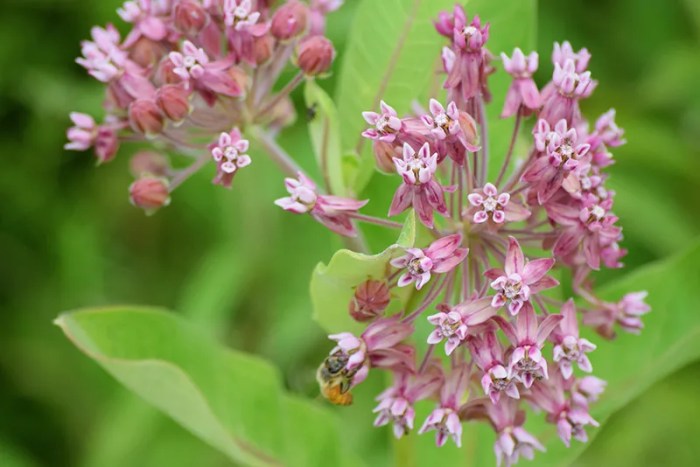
x=488 y=204
x=396 y=403
x=445 y=418
x=332 y=211
x=562 y=157
x=588 y=228
x=626 y=313
x=229 y=155
x=82 y=135
x=194 y=64
x=103 y=57
x=441 y=256
x=569 y=347
x=442 y=123
x=568 y=86
x=467 y=74
x=452 y=323
x=386 y=125
x=523 y=90
x=564 y=52
x=419 y=187
x=520 y=279
x=487 y=352
x=239 y=14
x=526 y=362
x=607 y=132
x=143 y=15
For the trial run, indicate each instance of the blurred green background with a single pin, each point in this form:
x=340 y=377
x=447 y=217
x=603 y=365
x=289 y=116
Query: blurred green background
x=238 y=265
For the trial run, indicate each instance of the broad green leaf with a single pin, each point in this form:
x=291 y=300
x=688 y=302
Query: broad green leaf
x=392 y=54
x=325 y=137
x=231 y=400
x=332 y=285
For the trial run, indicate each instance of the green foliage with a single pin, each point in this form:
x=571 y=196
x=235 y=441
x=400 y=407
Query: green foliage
x=231 y=400
x=392 y=54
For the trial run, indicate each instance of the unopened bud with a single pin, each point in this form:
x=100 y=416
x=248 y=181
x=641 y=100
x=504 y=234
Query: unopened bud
x=290 y=20
x=150 y=193
x=262 y=48
x=315 y=55
x=165 y=73
x=148 y=162
x=189 y=17
x=145 y=117
x=240 y=78
x=173 y=101
x=384 y=154
x=370 y=300
x=468 y=126
x=146 y=52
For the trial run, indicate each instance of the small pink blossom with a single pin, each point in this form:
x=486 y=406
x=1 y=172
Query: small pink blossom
x=527 y=364
x=331 y=211
x=445 y=418
x=487 y=352
x=569 y=347
x=143 y=15
x=103 y=57
x=452 y=323
x=396 y=403
x=488 y=205
x=519 y=279
x=441 y=256
x=419 y=187
x=560 y=100
x=626 y=313
x=563 y=52
x=386 y=125
x=229 y=155
x=523 y=90
x=239 y=14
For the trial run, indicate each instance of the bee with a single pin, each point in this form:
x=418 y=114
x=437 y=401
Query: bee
x=334 y=380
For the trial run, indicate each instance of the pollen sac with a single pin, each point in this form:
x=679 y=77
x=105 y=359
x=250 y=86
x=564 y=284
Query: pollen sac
x=370 y=300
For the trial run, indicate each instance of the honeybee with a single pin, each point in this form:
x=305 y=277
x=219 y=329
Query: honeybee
x=334 y=380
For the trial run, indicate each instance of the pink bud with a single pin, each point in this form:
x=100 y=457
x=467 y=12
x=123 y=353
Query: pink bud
x=149 y=193
x=315 y=55
x=370 y=300
x=149 y=162
x=146 y=52
x=289 y=20
x=165 y=73
x=145 y=117
x=189 y=17
x=173 y=101
x=468 y=126
x=384 y=154
x=262 y=48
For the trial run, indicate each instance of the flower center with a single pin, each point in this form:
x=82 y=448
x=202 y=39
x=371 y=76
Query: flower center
x=384 y=126
x=449 y=327
x=512 y=289
x=415 y=267
x=490 y=204
x=443 y=121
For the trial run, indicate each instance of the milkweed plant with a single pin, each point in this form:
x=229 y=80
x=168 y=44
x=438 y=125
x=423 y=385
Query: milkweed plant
x=467 y=310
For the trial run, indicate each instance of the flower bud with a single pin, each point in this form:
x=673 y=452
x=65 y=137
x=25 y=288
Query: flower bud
x=384 y=154
x=468 y=126
x=189 y=17
x=145 y=117
x=240 y=78
x=173 y=101
x=146 y=52
x=106 y=144
x=370 y=300
x=150 y=193
x=315 y=55
x=165 y=73
x=148 y=162
x=290 y=20
x=262 y=48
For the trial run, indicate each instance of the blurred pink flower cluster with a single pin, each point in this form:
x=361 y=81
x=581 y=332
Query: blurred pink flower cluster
x=191 y=76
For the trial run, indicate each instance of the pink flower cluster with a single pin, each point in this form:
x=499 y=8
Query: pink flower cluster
x=509 y=339
x=196 y=74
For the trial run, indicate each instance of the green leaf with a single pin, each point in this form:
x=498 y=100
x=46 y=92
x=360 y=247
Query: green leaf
x=392 y=54
x=332 y=285
x=325 y=137
x=231 y=400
